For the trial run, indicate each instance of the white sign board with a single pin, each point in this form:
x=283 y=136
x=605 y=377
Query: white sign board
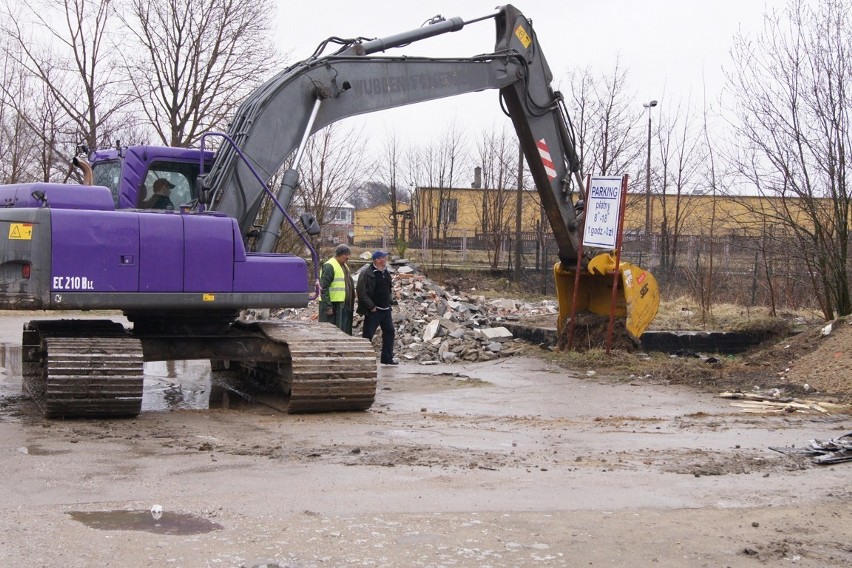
x=603 y=208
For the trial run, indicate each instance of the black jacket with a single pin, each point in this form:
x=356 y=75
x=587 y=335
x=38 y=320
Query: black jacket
x=374 y=289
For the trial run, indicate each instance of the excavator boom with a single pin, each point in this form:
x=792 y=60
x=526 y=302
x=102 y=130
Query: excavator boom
x=277 y=120
x=306 y=97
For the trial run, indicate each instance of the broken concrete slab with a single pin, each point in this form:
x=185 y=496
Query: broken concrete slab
x=448 y=357
x=431 y=330
x=496 y=333
x=503 y=304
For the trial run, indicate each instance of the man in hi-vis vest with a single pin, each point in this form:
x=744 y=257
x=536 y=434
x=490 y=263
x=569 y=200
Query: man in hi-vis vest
x=337 y=295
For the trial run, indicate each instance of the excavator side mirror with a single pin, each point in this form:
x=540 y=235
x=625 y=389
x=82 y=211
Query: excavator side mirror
x=309 y=222
x=39 y=196
x=202 y=191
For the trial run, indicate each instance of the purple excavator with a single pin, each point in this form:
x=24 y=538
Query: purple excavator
x=182 y=275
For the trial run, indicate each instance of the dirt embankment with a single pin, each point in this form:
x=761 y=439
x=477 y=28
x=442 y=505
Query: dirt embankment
x=819 y=359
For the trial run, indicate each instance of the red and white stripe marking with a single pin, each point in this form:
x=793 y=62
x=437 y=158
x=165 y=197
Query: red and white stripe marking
x=544 y=152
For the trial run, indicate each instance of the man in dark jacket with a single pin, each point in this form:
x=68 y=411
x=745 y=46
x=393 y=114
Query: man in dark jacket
x=375 y=295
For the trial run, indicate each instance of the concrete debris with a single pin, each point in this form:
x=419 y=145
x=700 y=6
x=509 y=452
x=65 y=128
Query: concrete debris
x=431 y=330
x=496 y=333
x=436 y=325
x=503 y=303
x=824 y=452
x=777 y=404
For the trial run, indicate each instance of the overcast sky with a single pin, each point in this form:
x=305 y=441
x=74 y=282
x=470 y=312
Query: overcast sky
x=671 y=48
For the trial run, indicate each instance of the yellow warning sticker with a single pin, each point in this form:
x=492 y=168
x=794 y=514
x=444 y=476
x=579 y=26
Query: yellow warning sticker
x=21 y=231
x=208 y=297
x=523 y=36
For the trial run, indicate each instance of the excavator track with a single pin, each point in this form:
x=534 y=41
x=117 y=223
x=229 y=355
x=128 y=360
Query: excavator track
x=83 y=369
x=86 y=368
x=327 y=370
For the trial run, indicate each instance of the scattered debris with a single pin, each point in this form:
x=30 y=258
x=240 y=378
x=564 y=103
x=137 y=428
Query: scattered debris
x=825 y=452
x=771 y=404
x=436 y=325
x=692 y=354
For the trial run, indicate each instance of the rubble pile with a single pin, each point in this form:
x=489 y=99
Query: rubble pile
x=434 y=325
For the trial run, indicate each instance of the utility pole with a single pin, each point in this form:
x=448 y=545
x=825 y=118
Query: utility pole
x=518 y=216
x=648 y=106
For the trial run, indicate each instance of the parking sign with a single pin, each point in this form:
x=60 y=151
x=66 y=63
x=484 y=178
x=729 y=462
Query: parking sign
x=603 y=208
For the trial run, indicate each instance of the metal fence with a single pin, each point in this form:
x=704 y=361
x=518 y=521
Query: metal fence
x=731 y=268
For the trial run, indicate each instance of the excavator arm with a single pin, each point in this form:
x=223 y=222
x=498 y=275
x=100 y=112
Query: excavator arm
x=277 y=120
x=320 y=93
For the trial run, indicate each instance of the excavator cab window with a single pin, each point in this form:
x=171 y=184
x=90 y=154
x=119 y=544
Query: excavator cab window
x=108 y=174
x=180 y=176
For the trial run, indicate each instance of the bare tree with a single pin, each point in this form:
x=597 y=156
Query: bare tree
x=199 y=58
x=791 y=90
x=32 y=123
x=704 y=279
x=369 y=194
x=606 y=121
x=19 y=142
x=681 y=172
x=329 y=172
x=73 y=62
x=437 y=166
x=497 y=155
x=391 y=172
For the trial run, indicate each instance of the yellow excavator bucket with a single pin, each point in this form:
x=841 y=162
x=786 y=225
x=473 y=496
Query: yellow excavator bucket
x=637 y=297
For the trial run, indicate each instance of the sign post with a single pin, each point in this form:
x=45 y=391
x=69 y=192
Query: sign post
x=603 y=227
x=576 y=290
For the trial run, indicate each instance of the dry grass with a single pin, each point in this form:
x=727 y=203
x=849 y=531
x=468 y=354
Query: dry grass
x=653 y=368
x=683 y=314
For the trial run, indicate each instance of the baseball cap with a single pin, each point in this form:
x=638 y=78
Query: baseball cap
x=379 y=254
x=165 y=182
x=341 y=249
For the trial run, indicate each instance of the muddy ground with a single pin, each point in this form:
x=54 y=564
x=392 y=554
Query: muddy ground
x=515 y=462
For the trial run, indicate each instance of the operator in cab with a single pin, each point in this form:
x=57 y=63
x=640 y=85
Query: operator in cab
x=337 y=292
x=160 y=200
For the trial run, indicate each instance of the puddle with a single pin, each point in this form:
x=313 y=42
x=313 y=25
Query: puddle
x=168 y=385
x=10 y=372
x=168 y=523
x=172 y=385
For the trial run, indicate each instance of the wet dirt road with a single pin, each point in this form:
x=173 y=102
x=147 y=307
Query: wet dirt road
x=509 y=463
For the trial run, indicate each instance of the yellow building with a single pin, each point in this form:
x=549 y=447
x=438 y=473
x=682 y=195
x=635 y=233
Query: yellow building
x=456 y=212
x=376 y=223
x=467 y=212
x=723 y=215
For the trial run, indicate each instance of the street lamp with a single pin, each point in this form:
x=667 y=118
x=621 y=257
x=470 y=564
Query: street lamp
x=648 y=106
